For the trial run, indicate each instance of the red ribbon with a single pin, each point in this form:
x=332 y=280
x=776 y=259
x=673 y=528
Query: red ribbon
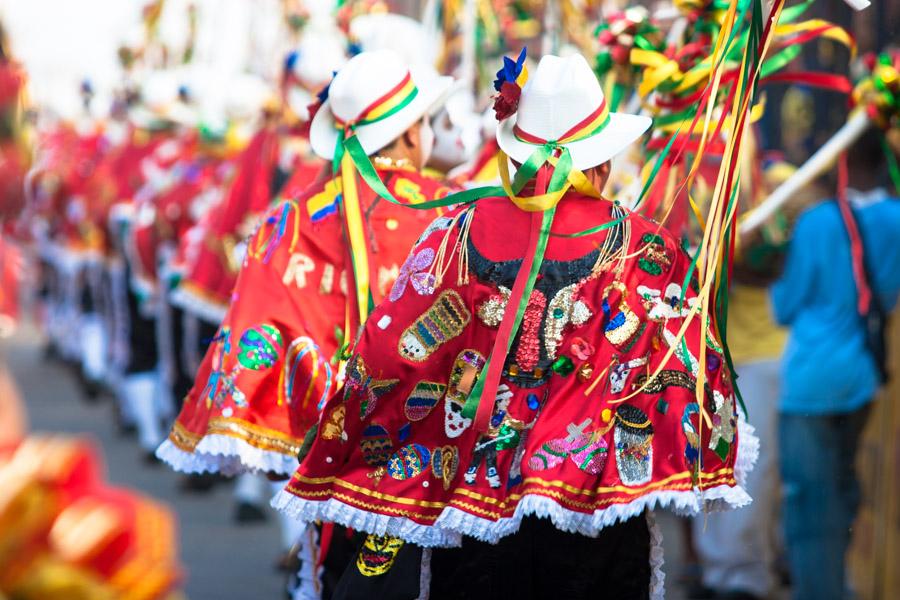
x=857 y=252
x=837 y=83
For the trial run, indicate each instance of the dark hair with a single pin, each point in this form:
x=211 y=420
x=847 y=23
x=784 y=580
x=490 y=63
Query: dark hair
x=866 y=155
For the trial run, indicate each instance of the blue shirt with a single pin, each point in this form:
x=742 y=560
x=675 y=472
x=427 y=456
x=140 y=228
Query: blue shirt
x=827 y=367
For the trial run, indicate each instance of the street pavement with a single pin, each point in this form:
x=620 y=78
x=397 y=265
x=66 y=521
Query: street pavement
x=223 y=561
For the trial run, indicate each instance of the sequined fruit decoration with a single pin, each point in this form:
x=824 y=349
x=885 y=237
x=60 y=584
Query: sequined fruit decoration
x=409 y=461
x=259 y=347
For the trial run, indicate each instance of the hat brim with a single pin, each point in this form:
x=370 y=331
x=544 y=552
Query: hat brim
x=621 y=131
x=433 y=90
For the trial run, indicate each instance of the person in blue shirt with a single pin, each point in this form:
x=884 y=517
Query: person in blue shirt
x=830 y=376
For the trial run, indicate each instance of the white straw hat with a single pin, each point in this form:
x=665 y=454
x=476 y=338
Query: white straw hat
x=365 y=81
x=389 y=31
x=320 y=53
x=564 y=99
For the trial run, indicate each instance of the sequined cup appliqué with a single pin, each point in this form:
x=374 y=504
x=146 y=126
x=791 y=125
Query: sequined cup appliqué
x=633 y=436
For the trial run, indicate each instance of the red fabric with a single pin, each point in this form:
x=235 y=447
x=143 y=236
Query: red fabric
x=13 y=166
x=857 y=250
x=378 y=437
x=10 y=270
x=165 y=218
x=294 y=282
x=210 y=274
x=12 y=78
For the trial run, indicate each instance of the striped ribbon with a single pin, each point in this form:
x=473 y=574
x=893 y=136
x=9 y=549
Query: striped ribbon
x=591 y=125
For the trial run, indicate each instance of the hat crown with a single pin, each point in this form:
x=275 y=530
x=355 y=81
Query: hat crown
x=562 y=93
x=366 y=78
x=320 y=54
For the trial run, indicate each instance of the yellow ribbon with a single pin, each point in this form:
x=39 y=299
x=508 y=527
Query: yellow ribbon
x=356 y=233
x=542 y=202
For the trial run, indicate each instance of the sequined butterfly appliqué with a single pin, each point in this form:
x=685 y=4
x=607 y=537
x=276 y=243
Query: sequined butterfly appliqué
x=413 y=272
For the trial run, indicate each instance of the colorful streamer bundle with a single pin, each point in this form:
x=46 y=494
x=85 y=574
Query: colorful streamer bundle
x=618 y=34
x=879 y=92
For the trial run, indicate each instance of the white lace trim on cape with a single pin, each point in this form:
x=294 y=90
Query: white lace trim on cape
x=227 y=455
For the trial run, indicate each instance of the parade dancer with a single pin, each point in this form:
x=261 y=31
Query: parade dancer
x=535 y=292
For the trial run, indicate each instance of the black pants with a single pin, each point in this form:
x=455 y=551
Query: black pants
x=187 y=351
x=536 y=563
x=143 y=353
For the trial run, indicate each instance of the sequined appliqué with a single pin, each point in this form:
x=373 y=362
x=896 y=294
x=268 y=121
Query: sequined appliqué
x=587 y=450
x=619 y=328
x=446 y=319
x=377 y=555
x=375 y=445
x=723 y=425
x=422 y=399
x=619 y=373
x=259 y=347
x=463 y=374
x=445 y=464
x=504 y=433
x=414 y=272
x=409 y=461
x=332 y=427
x=657 y=258
x=360 y=383
x=316 y=365
x=633 y=436
x=692 y=445
x=563 y=310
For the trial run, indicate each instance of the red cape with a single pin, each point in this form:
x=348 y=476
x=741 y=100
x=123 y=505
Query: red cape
x=566 y=439
x=276 y=356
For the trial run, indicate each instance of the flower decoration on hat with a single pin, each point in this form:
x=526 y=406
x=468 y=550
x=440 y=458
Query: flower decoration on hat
x=510 y=80
x=879 y=92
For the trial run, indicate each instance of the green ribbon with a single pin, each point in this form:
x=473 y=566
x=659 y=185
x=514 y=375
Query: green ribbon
x=893 y=168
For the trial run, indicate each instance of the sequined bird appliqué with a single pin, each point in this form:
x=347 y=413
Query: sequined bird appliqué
x=361 y=382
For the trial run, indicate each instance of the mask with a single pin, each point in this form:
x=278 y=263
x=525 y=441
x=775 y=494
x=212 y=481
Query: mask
x=449 y=148
x=426 y=138
x=454 y=422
